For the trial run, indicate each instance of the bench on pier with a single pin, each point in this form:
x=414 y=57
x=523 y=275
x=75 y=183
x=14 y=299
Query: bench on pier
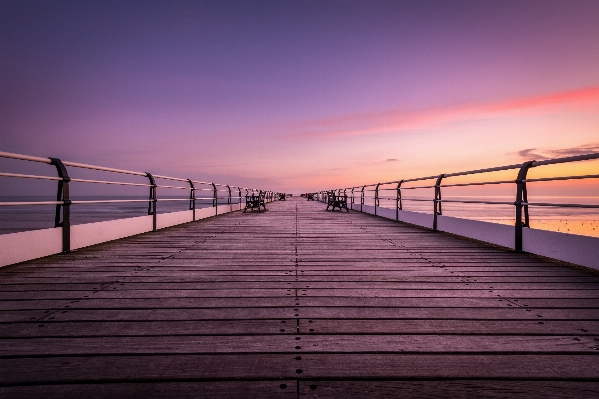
x=255 y=201
x=310 y=197
x=282 y=197
x=336 y=201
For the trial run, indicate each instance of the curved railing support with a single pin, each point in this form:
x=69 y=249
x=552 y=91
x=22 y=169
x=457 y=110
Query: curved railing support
x=192 y=199
x=376 y=197
x=152 y=200
x=215 y=198
x=437 y=201
x=362 y=198
x=62 y=194
x=521 y=204
x=398 y=205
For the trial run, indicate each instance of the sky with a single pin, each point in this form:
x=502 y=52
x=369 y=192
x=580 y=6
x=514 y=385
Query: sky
x=299 y=96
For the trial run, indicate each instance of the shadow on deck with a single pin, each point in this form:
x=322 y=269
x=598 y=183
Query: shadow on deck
x=298 y=302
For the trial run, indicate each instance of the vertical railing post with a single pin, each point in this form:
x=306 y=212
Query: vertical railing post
x=192 y=199
x=229 y=199
x=437 y=201
x=152 y=200
x=398 y=200
x=215 y=199
x=376 y=197
x=521 y=198
x=352 y=198
x=62 y=195
x=362 y=198
x=239 y=190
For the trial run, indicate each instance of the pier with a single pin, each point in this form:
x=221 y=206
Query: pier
x=298 y=302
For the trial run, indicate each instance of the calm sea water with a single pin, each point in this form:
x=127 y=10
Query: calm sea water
x=21 y=218
x=583 y=221
x=570 y=220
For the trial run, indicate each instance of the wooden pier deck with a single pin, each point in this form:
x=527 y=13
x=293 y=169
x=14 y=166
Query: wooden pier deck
x=297 y=302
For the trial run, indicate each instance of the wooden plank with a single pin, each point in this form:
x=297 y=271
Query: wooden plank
x=243 y=344
x=448 y=389
x=315 y=285
x=284 y=389
x=129 y=368
x=428 y=326
x=364 y=302
x=411 y=366
x=49 y=328
x=148 y=328
x=316 y=281
x=74 y=369
x=69 y=314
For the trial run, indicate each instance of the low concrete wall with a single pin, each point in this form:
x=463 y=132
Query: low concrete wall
x=572 y=248
x=84 y=235
x=28 y=245
x=417 y=218
x=494 y=233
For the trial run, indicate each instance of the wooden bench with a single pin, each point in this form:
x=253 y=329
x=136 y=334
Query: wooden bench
x=310 y=197
x=336 y=201
x=254 y=201
x=282 y=197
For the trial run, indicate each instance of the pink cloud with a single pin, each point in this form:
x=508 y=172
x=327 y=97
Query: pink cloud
x=395 y=120
x=540 y=154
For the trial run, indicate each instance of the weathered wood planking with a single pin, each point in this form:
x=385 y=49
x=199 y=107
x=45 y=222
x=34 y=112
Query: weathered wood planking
x=298 y=302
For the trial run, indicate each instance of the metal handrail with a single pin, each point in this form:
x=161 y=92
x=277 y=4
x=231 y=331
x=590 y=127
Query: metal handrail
x=30 y=176
x=521 y=202
x=63 y=201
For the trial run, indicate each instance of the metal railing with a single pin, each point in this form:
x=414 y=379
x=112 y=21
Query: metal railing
x=210 y=191
x=521 y=203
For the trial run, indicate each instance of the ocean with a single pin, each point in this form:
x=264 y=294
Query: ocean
x=22 y=218
x=583 y=221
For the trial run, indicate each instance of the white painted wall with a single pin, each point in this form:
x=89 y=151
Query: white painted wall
x=84 y=235
x=367 y=209
x=225 y=209
x=385 y=213
x=27 y=245
x=417 y=218
x=573 y=248
x=172 y=218
x=205 y=213
x=494 y=233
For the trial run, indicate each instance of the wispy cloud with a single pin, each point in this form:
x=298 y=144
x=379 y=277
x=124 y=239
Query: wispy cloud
x=397 y=120
x=580 y=150
x=540 y=154
x=531 y=153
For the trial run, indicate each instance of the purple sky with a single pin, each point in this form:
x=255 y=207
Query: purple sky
x=298 y=96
